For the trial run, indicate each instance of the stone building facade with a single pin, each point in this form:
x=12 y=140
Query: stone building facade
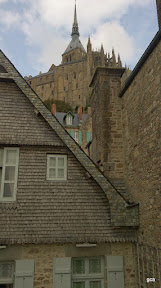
x=128 y=146
x=70 y=80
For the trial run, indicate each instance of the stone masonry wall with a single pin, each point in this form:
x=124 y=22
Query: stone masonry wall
x=107 y=143
x=158 y=2
x=43 y=256
x=142 y=145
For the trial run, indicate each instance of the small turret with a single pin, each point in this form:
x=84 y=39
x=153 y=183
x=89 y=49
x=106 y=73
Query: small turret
x=89 y=45
x=119 y=61
x=113 y=58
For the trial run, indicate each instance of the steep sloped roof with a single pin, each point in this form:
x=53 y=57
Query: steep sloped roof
x=74 y=43
x=123 y=214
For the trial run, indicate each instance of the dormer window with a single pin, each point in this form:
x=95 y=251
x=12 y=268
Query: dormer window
x=69 y=120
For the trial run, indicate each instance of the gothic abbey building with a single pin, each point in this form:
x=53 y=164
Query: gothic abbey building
x=70 y=80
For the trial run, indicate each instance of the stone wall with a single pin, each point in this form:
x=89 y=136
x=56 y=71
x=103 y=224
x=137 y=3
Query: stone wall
x=158 y=2
x=43 y=85
x=43 y=256
x=142 y=145
x=107 y=142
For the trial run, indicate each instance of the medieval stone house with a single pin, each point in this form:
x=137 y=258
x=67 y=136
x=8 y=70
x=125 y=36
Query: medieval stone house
x=62 y=223
x=128 y=146
x=70 y=80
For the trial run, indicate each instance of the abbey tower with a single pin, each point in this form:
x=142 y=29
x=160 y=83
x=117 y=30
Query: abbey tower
x=70 y=80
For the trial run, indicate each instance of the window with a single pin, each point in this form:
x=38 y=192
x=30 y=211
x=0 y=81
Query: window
x=74 y=75
x=69 y=120
x=64 y=88
x=76 y=136
x=88 y=272
x=67 y=76
x=6 y=274
x=76 y=86
x=8 y=173
x=56 y=167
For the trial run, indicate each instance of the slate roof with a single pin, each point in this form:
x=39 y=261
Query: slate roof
x=74 y=43
x=76 y=121
x=99 y=208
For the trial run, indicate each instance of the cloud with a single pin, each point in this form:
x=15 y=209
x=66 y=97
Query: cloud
x=113 y=35
x=8 y=19
x=46 y=26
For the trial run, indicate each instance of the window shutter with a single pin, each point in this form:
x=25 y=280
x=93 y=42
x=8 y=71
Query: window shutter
x=24 y=274
x=80 y=137
x=62 y=273
x=115 y=272
x=71 y=133
x=88 y=136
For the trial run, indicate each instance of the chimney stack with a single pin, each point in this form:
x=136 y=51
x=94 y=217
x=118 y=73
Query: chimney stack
x=158 y=3
x=80 y=112
x=53 y=109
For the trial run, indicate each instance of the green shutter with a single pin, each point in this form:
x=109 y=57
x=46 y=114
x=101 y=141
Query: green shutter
x=115 y=272
x=80 y=138
x=24 y=274
x=71 y=133
x=88 y=136
x=62 y=272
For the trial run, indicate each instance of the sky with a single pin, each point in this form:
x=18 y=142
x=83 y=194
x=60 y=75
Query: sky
x=35 y=33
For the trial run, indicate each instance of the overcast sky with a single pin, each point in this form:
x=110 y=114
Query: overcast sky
x=35 y=33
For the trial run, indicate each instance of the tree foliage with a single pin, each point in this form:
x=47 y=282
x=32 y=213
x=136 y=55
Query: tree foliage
x=61 y=106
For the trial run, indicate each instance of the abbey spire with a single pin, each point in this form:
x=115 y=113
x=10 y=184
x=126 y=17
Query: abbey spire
x=75 y=42
x=75 y=29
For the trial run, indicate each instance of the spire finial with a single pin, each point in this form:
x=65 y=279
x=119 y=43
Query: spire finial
x=75 y=29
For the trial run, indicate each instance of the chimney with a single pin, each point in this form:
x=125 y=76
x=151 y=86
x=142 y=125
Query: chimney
x=158 y=3
x=80 y=112
x=53 y=109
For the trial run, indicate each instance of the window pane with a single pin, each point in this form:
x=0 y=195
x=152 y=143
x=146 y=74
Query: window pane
x=60 y=162
x=10 y=173
x=6 y=271
x=94 y=265
x=11 y=157
x=78 y=266
x=1 y=157
x=79 y=284
x=8 y=189
x=52 y=173
x=52 y=162
x=60 y=173
x=95 y=284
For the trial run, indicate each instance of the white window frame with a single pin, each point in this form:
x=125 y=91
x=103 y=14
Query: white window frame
x=76 y=136
x=3 y=181
x=56 y=156
x=11 y=279
x=69 y=120
x=87 y=277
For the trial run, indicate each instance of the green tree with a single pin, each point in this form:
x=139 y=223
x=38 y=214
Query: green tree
x=61 y=106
